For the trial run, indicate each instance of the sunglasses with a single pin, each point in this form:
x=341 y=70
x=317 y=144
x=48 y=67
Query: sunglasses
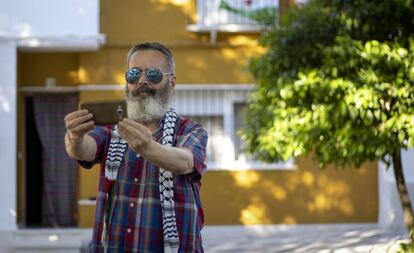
x=153 y=75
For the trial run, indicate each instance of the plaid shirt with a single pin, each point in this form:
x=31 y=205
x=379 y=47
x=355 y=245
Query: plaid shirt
x=135 y=219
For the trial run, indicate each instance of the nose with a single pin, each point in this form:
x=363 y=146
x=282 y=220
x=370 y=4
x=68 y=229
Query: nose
x=143 y=80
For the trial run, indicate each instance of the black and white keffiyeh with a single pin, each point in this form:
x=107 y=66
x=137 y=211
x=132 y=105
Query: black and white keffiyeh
x=166 y=181
x=116 y=151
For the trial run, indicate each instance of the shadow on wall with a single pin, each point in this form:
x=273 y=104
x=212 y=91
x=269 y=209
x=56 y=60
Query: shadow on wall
x=306 y=195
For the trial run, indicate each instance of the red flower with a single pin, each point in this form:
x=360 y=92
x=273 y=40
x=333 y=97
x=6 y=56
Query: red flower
x=248 y=2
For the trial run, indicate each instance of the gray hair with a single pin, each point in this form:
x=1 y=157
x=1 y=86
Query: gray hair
x=154 y=46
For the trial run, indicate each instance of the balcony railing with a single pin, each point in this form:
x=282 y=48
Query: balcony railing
x=230 y=15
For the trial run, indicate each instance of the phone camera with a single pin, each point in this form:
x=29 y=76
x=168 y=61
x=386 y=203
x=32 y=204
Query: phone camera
x=120 y=111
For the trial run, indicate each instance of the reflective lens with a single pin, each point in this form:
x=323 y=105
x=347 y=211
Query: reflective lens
x=153 y=75
x=132 y=75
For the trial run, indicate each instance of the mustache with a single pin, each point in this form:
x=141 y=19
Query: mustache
x=143 y=89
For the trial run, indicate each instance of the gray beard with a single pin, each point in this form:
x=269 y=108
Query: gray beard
x=145 y=109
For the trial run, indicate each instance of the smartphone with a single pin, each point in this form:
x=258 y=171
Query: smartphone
x=105 y=112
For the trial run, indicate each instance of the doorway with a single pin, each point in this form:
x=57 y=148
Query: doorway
x=50 y=175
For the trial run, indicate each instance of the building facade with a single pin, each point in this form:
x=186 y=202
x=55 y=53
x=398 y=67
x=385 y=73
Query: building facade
x=56 y=55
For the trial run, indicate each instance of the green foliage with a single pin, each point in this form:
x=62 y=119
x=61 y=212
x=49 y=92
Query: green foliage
x=405 y=248
x=337 y=80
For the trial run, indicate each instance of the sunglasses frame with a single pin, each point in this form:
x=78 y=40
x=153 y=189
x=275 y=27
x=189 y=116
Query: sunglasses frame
x=133 y=78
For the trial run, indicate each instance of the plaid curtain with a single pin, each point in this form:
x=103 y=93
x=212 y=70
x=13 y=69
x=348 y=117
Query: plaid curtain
x=59 y=171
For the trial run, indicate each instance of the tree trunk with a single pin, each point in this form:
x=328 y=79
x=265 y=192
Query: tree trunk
x=402 y=191
x=284 y=5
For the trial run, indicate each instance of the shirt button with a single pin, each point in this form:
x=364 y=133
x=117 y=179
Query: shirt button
x=131 y=204
x=135 y=180
x=129 y=230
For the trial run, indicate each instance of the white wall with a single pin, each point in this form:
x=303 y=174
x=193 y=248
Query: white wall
x=390 y=211
x=40 y=25
x=40 y=18
x=8 y=135
x=51 y=24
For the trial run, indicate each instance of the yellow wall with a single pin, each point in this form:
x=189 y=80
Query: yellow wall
x=247 y=197
x=88 y=185
x=34 y=68
x=195 y=65
x=304 y=195
x=132 y=21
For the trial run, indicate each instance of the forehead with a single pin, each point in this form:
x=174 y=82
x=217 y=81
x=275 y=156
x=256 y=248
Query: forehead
x=147 y=58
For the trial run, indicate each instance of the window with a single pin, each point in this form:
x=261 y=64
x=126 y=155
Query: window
x=214 y=127
x=239 y=119
x=221 y=109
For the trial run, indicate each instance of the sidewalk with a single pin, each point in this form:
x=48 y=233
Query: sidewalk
x=341 y=238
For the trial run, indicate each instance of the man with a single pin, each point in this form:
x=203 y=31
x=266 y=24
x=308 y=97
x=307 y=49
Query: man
x=151 y=163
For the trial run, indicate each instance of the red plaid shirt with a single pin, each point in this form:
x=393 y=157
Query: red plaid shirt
x=134 y=216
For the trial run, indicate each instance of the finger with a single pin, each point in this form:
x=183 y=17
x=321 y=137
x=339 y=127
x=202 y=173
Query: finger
x=122 y=134
x=129 y=138
x=75 y=114
x=129 y=130
x=130 y=122
x=132 y=133
x=135 y=125
x=79 y=120
x=133 y=137
x=83 y=128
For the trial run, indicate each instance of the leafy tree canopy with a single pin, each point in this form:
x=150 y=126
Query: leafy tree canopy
x=337 y=79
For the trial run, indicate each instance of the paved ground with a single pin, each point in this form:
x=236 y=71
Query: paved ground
x=344 y=238
x=338 y=238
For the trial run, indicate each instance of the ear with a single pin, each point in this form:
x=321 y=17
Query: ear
x=173 y=80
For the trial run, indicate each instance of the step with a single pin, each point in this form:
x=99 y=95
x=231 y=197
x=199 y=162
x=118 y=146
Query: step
x=48 y=240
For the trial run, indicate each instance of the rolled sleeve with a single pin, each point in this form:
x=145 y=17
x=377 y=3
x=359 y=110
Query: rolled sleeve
x=101 y=136
x=195 y=140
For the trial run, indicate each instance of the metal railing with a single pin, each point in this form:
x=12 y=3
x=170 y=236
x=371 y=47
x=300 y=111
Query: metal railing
x=219 y=13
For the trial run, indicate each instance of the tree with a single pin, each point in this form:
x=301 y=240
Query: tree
x=337 y=83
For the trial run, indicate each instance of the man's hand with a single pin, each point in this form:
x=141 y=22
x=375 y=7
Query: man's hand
x=138 y=136
x=78 y=123
x=78 y=145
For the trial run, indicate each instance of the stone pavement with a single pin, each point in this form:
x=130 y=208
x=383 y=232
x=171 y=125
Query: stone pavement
x=330 y=238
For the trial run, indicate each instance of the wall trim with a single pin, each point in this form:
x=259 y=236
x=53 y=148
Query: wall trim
x=117 y=87
x=183 y=87
x=67 y=43
x=249 y=166
x=120 y=87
